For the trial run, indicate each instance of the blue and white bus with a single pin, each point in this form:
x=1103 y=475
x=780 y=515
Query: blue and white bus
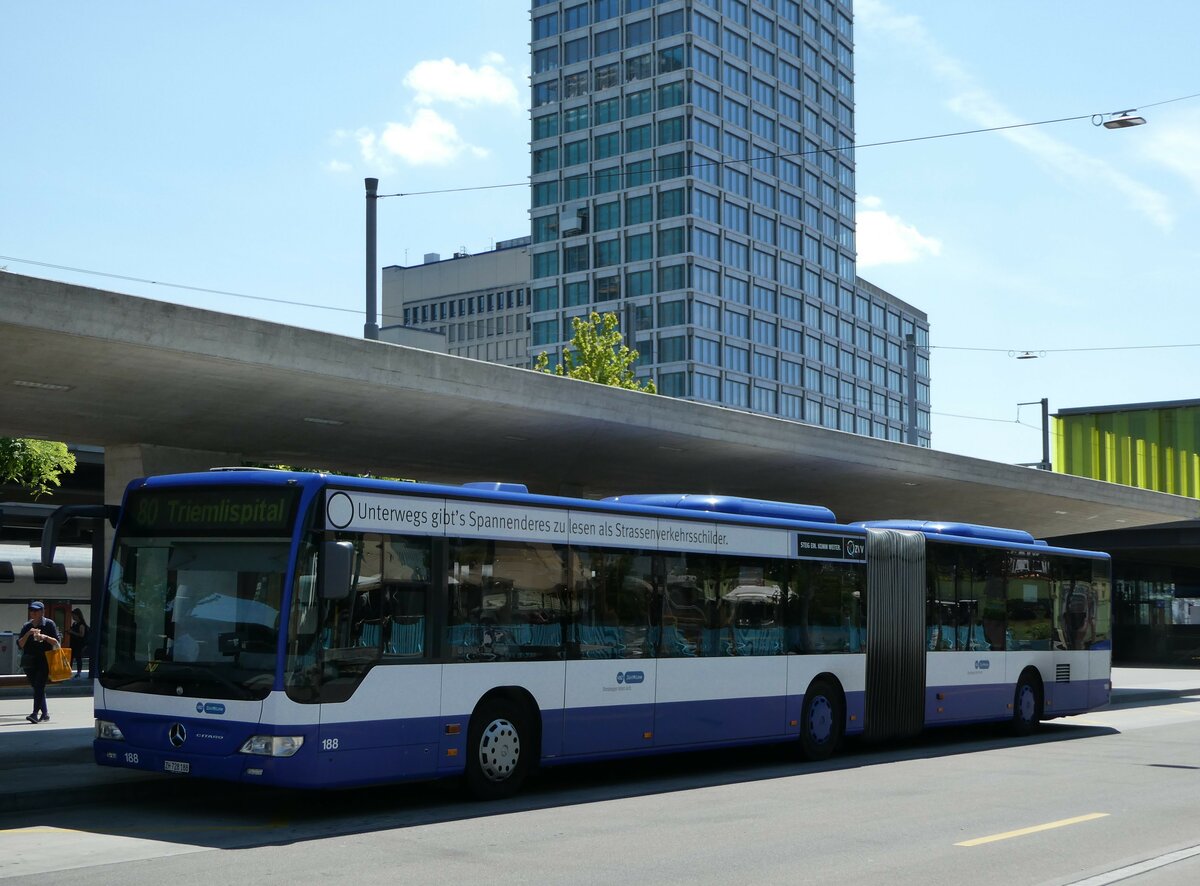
x=313 y=630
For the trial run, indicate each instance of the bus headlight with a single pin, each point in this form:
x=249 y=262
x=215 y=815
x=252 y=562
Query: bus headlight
x=273 y=745
x=109 y=730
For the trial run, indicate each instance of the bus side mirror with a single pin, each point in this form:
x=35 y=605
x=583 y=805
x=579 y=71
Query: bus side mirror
x=337 y=569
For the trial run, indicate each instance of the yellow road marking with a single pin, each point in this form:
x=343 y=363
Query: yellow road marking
x=1008 y=835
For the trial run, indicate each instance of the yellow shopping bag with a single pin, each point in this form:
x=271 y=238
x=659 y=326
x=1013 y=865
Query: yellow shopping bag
x=60 y=664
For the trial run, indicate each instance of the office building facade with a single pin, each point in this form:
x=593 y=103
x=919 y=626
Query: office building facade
x=690 y=172
x=478 y=304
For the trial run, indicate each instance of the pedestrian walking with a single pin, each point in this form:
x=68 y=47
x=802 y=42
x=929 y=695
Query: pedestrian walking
x=37 y=637
x=79 y=637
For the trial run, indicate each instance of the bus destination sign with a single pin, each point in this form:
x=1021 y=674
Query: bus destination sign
x=207 y=511
x=831 y=547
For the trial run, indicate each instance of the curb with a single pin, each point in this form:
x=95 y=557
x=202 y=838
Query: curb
x=18 y=687
x=1130 y=696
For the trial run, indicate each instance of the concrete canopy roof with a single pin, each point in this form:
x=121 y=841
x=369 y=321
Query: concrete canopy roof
x=128 y=370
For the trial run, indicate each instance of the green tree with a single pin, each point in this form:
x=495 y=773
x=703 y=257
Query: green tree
x=597 y=354
x=35 y=465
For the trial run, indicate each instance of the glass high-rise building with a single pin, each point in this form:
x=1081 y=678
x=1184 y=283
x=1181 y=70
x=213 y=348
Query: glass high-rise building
x=690 y=171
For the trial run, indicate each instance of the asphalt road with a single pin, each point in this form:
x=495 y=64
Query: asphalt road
x=1105 y=798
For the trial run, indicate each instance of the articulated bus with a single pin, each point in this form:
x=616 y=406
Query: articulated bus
x=312 y=630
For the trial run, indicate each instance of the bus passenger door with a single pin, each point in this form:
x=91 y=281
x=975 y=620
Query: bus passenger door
x=611 y=670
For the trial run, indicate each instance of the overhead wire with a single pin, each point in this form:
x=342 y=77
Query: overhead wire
x=654 y=170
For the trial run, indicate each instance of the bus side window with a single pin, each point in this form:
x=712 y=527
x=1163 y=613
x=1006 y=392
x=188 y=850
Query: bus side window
x=406 y=569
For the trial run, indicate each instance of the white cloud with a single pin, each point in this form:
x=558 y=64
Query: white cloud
x=445 y=80
x=1175 y=145
x=976 y=104
x=428 y=140
x=884 y=239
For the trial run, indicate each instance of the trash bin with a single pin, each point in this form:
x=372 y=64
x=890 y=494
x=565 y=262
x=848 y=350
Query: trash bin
x=10 y=653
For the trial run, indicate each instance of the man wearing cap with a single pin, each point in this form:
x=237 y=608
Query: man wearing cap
x=38 y=636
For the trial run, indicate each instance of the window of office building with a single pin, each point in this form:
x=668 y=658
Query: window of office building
x=706 y=315
x=608 y=253
x=639 y=283
x=639 y=209
x=671 y=59
x=638 y=247
x=545 y=26
x=575 y=294
x=639 y=103
x=706 y=351
x=637 y=33
x=545 y=228
x=607 y=180
x=672 y=277
x=670 y=95
x=606 y=77
x=545 y=264
x=604 y=42
x=575 y=258
x=575 y=84
x=670 y=130
x=545 y=298
x=639 y=172
x=608 y=288
x=607 y=111
x=707 y=387
x=607 y=145
x=670 y=24
x=639 y=68
x=673 y=384
x=737 y=393
x=545 y=126
x=638 y=138
x=575 y=187
x=672 y=313
x=608 y=216
x=575 y=51
x=672 y=349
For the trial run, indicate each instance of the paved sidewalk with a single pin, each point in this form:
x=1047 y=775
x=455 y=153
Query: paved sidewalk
x=48 y=765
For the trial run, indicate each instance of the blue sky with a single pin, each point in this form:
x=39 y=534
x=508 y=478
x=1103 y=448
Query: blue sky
x=223 y=146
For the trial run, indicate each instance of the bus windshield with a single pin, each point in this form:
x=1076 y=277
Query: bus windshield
x=190 y=614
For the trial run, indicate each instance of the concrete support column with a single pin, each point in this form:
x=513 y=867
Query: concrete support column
x=128 y=461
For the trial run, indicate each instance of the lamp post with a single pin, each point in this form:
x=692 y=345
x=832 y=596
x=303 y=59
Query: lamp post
x=371 y=327
x=911 y=436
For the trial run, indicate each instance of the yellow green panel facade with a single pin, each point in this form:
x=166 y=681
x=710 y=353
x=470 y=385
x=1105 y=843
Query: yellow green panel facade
x=1149 y=445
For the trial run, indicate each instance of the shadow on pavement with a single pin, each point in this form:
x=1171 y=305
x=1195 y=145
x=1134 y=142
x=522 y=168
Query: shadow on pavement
x=230 y=816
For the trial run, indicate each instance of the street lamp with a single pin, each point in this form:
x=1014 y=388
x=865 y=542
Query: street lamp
x=1123 y=120
x=371 y=327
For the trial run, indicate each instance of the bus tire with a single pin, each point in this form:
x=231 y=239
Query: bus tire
x=1027 y=703
x=822 y=720
x=499 y=748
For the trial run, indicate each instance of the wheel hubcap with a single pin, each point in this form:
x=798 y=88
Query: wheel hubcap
x=499 y=750
x=1027 y=704
x=820 y=719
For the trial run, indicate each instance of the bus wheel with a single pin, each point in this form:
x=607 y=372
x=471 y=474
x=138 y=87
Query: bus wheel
x=1027 y=704
x=498 y=750
x=822 y=720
